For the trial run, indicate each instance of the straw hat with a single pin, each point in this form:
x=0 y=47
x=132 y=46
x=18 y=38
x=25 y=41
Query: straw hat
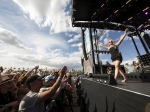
x=4 y=79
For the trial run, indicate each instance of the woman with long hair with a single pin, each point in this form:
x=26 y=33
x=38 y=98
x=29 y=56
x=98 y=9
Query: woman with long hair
x=116 y=56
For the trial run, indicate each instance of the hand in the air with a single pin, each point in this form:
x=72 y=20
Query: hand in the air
x=100 y=44
x=126 y=30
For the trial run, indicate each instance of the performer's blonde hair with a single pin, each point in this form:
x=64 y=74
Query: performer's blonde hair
x=111 y=41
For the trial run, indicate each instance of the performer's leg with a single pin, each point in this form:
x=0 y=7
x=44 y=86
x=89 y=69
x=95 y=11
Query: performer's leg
x=119 y=70
x=123 y=74
x=116 y=64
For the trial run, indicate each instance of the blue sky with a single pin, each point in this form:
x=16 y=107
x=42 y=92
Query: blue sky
x=33 y=32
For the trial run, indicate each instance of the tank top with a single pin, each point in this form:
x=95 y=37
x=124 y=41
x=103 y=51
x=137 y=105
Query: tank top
x=113 y=50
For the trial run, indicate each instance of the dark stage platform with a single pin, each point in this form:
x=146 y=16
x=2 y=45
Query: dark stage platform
x=137 y=87
x=133 y=96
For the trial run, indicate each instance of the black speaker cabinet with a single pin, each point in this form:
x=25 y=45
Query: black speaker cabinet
x=146 y=69
x=104 y=78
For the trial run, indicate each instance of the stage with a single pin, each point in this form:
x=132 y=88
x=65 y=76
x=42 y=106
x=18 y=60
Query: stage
x=137 y=87
x=133 y=96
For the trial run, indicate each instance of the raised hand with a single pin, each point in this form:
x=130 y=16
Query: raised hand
x=1 y=69
x=126 y=30
x=36 y=67
x=62 y=71
x=100 y=44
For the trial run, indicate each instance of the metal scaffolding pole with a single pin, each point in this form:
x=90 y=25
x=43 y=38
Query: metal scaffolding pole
x=145 y=48
x=92 y=50
x=136 y=47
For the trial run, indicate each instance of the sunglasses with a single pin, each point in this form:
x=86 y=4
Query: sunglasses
x=110 y=41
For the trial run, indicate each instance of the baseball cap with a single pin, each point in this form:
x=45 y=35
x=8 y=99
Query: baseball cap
x=33 y=78
x=49 y=77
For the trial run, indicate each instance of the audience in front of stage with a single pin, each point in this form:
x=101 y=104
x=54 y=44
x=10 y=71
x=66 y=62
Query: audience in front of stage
x=8 y=102
x=19 y=88
x=78 y=80
x=34 y=84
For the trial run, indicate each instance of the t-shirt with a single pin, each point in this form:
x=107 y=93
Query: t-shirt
x=28 y=102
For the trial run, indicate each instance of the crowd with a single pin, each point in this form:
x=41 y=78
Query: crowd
x=35 y=90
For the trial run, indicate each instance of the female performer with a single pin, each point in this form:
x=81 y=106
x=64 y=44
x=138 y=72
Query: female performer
x=116 y=55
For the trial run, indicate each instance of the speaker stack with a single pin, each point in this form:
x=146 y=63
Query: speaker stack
x=145 y=59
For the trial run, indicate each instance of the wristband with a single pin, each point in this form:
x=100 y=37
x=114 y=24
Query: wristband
x=59 y=78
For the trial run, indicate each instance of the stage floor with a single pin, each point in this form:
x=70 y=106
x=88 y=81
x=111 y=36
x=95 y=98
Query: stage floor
x=138 y=87
x=133 y=96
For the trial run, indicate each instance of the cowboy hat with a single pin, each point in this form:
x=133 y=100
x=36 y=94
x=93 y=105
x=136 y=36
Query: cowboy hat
x=4 y=79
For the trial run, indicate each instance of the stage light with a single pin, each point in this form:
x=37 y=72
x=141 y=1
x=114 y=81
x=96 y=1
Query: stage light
x=122 y=6
x=146 y=13
x=129 y=18
x=128 y=1
x=145 y=9
x=106 y=19
x=94 y=14
x=102 y=5
x=116 y=11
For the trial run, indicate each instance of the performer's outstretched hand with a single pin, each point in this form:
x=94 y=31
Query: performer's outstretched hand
x=100 y=44
x=126 y=30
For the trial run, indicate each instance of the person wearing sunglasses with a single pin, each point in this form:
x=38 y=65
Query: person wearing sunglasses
x=116 y=56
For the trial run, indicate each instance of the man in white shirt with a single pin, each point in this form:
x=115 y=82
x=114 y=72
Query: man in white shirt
x=33 y=101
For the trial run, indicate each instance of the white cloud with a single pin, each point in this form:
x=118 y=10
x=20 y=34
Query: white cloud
x=77 y=45
x=75 y=38
x=50 y=13
x=11 y=39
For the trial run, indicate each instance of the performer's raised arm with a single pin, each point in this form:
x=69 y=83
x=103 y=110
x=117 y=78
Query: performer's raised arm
x=122 y=37
x=100 y=44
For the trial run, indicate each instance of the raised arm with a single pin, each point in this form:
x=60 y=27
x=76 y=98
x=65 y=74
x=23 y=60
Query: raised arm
x=100 y=44
x=47 y=94
x=122 y=37
x=29 y=72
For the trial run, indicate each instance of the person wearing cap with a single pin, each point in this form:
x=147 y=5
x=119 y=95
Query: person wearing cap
x=33 y=101
x=49 y=82
x=7 y=102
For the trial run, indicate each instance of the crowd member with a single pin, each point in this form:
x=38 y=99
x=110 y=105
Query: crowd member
x=49 y=82
x=34 y=84
x=78 y=79
x=7 y=101
x=116 y=55
x=16 y=77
